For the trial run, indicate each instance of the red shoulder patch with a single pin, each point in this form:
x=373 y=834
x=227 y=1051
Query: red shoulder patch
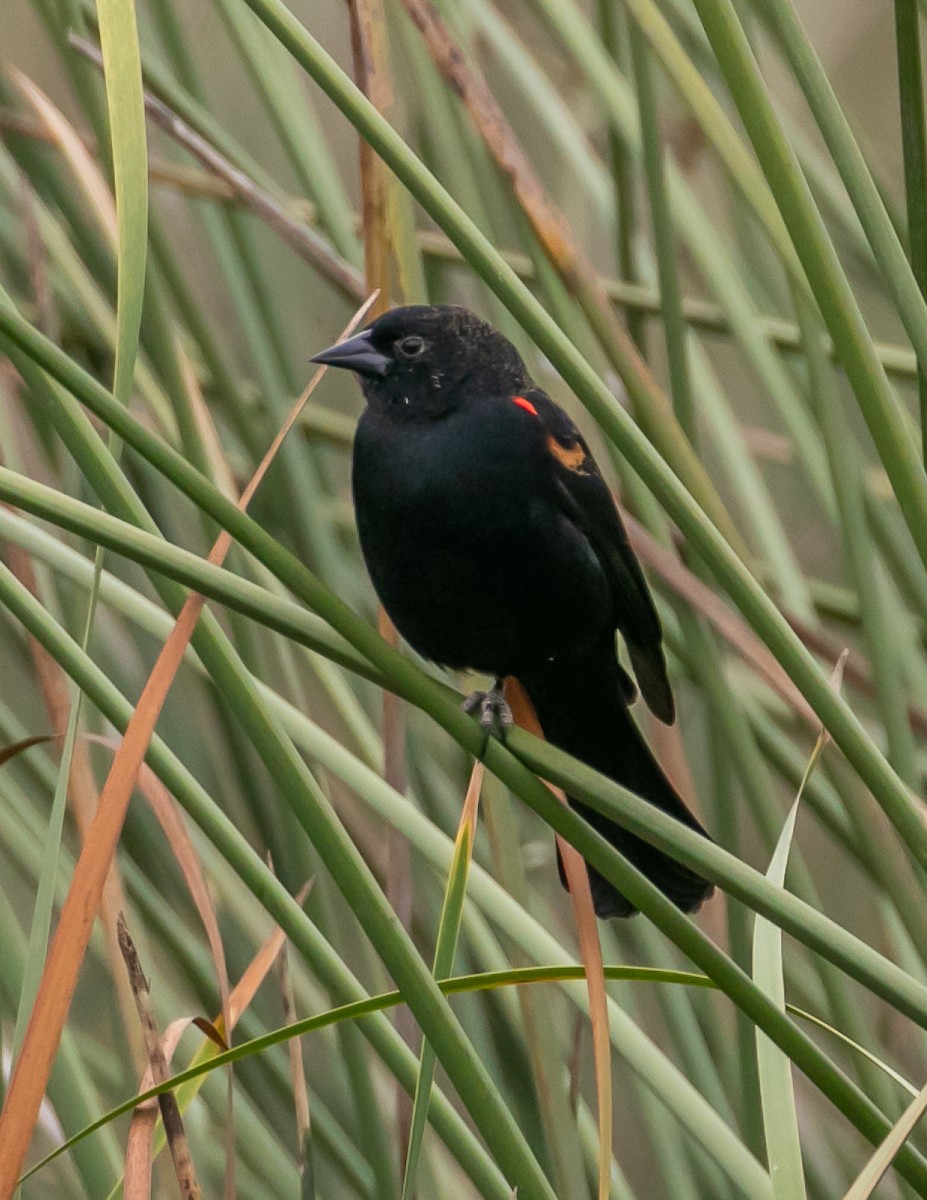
x=525 y=404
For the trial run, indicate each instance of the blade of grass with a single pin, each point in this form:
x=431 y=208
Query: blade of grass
x=445 y=951
x=16 y=748
x=81 y=162
x=208 y=1058
x=742 y=750
x=884 y=642
x=83 y=794
x=279 y=90
x=614 y=25
x=123 y=78
x=914 y=147
x=591 y=954
x=88 y=300
x=305 y=1156
x=136 y=1181
x=72 y=1090
x=542 y=1031
x=780 y=1119
x=661 y=224
x=171 y=821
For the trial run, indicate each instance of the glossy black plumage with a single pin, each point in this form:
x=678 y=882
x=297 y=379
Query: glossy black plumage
x=495 y=545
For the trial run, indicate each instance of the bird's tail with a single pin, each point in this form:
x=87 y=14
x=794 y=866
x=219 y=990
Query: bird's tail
x=582 y=705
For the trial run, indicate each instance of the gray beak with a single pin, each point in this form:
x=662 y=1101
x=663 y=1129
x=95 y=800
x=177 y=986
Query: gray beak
x=356 y=354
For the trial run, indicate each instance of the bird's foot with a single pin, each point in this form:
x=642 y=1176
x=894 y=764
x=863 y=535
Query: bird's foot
x=494 y=710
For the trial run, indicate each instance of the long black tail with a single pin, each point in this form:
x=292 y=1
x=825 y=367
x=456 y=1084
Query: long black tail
x=582 y=706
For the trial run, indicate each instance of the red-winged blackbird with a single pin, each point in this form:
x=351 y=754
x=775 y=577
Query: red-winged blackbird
x=495 y=545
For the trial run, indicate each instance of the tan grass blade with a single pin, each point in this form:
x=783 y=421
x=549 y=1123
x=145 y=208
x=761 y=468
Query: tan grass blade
x=171 y=820
x=242 y=994
x=868 y=1180
x=83 y=797
x=372 y=75
x=169 y=817
x=256 y=972
x=145 y=1118
x=590 y=950
x=81 y=161
x=297 y=1073
x=167 y=1101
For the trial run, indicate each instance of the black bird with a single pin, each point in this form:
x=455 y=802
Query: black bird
x=495 y=545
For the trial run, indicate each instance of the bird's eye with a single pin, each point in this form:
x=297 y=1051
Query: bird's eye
x=410 y=347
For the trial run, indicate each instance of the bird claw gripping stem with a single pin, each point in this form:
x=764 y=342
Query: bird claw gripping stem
x=495 y=713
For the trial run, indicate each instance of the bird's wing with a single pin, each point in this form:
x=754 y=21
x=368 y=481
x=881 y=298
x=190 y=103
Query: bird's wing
x=589 y=504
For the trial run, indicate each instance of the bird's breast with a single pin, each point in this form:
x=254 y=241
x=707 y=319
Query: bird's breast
x=446 y=472
x=466 y=544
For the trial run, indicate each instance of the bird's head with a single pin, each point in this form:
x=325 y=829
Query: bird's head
x=424 y=360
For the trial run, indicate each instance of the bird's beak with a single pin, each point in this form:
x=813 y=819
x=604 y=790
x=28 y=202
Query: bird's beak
x=356 y=354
